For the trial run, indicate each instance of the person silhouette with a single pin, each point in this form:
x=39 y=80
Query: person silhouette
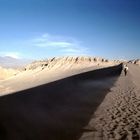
x=125 y=70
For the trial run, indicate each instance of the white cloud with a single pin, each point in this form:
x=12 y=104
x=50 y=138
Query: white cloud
x=53 y=44
x=64 y=44
x=11 y=54
x=47 y=40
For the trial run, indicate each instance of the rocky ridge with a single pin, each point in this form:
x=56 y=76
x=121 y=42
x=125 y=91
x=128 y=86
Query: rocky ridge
x=62 y=63
x=68 y=61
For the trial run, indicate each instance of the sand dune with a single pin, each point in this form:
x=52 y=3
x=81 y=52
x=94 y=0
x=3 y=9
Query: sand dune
x=6 y=73
x=65 y=63
x=118 y=117
x=56 y=111
x=70 y=63
x=70 y=98
x=45 y=71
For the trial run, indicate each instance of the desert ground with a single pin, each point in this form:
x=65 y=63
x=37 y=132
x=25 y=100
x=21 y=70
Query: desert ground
x=46 y=71
x=118 y=116
x=70 y=99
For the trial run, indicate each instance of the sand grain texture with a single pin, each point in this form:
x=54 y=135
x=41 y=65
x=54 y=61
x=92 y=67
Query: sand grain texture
x=118 y=117
x=46 y=71
x=55 y=111
x=64 y=100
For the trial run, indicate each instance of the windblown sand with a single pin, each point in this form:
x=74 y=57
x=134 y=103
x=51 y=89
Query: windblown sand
x=90 y=104
x=42 y=72
x=58 y=110
x=118 y=116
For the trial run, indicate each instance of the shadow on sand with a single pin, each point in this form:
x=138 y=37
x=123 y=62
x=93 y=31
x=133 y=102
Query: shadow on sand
x=55 y=111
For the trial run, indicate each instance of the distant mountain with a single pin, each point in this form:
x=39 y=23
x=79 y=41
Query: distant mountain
x=10 y=62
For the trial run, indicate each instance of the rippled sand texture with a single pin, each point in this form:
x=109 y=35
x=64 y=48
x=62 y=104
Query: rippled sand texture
x=118 y=117
x=58 y=110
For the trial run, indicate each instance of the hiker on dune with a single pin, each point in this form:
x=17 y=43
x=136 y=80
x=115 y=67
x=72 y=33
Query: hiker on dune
x=125 y=69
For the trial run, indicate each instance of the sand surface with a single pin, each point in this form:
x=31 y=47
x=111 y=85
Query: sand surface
x=102 y=104
x=33 y=78
x=59 y=110
x=118 y=116
x=45 y=71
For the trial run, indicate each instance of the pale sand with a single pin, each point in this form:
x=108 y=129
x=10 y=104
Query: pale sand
x=76 y=108
x=55 y=111
x=46 y=71
x=32 y=78
x=118 y=116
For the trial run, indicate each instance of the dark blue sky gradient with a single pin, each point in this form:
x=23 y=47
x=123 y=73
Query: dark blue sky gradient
x=107 y=28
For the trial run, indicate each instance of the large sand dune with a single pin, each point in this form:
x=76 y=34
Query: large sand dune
x=118 y=117
x=56 y=111
x=45 y=71
x=70 y=98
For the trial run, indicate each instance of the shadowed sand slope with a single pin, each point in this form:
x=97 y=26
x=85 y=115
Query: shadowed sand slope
x=56 y=111
x=118 y=116
x=46 y=71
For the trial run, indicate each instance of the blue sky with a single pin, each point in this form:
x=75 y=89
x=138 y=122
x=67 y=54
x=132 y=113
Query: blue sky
x=36 y=29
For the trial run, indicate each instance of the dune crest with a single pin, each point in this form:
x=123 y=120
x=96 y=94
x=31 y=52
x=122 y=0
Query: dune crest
x=45 y=71
x=70 y=62
x=57 y=63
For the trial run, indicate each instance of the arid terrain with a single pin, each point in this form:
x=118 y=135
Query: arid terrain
x=70 y=98
x=118 y=116
x=46 y=71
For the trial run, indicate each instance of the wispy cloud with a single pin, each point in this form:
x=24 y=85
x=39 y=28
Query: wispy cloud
x=52 y=44
x=64 y=44
x=11 y=54
x=45 y=45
